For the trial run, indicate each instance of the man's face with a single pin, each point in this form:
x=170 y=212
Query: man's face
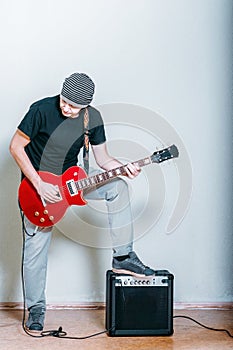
x=68 y=110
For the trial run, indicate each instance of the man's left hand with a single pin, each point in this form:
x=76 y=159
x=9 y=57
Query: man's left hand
x=132 y=170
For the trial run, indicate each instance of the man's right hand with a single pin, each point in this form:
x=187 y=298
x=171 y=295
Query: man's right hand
x=48 y=192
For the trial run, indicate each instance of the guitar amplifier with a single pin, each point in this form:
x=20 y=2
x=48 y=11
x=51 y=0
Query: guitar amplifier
x=139 y=306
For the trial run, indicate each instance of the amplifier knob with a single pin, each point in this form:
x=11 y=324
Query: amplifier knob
x=125 y=282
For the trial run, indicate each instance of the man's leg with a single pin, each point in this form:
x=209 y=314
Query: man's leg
x=35 y=270
x=116 y=195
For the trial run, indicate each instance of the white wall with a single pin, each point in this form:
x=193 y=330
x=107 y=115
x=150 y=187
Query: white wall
x=169 y=58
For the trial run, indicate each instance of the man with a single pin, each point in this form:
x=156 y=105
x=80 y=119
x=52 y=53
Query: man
x=49 y=138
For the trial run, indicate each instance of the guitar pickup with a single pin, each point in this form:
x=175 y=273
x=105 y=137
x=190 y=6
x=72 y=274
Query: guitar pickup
x=72 y=187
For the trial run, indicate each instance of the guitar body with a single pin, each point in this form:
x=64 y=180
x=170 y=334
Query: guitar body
x=47 y=214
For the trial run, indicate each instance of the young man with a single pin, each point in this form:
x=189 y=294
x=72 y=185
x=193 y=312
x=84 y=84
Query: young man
x=49 y=138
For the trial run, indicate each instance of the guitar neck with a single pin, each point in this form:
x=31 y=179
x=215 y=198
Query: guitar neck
x=108 y=175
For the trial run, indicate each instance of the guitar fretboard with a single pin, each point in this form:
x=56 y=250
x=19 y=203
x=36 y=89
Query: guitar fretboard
x=108 y=175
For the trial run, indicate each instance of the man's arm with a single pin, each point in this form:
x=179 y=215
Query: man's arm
x=17 y=150
x=107 y=162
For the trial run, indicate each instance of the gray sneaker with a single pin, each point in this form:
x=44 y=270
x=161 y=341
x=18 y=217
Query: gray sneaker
x=132 y=265
x=35 y=320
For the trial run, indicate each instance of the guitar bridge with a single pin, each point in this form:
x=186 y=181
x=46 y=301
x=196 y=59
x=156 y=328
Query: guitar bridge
x=72 y=187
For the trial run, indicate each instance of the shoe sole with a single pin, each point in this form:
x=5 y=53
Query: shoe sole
x=33 y=330
x=128 y=272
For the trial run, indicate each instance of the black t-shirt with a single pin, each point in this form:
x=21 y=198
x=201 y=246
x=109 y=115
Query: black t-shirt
x=56 y=140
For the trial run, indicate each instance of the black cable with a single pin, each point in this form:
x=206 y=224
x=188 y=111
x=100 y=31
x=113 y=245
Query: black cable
x=204 y=326
x=62 y=334
x=59 y=333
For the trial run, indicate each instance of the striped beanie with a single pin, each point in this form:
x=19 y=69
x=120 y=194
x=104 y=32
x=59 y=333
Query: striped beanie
x=78 y=90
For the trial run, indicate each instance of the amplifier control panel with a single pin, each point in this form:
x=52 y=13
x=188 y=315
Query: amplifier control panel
x=131 y=281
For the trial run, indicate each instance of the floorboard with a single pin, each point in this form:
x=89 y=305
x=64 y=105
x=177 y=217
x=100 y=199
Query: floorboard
x=79 y=323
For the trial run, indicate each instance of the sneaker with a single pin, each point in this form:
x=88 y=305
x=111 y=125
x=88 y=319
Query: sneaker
x=35 y=320
x=131 y=265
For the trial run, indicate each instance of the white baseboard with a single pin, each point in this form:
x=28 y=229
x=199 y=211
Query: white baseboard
x=218 y=305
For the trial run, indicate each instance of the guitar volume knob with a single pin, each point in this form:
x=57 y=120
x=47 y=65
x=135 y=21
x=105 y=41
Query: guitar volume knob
x=36 y=213
x=51 y=218
x=42 y=220
x=45 y=211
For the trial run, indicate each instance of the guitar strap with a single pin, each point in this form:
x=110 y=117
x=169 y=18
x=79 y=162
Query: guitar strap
x=86 y=141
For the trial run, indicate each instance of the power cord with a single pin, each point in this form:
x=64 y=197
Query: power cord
x=204 y=326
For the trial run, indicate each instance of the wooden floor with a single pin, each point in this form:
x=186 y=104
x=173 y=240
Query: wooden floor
x=187 y=335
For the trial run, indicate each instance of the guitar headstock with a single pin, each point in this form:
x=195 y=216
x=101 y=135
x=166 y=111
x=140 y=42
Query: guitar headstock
x=165 y=154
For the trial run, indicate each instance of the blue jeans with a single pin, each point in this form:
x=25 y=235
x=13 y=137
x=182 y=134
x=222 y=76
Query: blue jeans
x=116 y=195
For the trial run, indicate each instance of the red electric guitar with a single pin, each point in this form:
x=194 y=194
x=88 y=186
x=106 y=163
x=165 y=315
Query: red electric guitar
x=71 y=185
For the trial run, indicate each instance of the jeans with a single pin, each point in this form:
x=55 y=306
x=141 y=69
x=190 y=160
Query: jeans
x=116 y=195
